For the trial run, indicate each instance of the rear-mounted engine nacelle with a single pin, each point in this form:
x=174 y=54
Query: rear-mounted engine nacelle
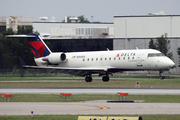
x=55 y=58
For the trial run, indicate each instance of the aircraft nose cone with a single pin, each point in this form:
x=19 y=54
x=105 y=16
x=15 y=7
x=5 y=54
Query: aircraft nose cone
x=172 y=64
x=169 y=63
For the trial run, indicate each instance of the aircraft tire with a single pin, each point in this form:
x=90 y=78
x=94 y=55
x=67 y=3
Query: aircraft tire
x=105 y=78
x=88 y=79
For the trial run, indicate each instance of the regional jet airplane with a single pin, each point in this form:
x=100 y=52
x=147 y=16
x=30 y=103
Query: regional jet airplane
x=104 y=63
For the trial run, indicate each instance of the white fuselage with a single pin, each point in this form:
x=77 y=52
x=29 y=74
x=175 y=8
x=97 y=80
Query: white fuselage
x=121 y=59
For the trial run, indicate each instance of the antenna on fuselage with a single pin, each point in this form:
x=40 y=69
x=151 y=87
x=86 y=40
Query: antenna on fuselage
x=107 y=49
x=137 y=48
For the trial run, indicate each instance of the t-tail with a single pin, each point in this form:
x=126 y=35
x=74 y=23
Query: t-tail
x=38 y=47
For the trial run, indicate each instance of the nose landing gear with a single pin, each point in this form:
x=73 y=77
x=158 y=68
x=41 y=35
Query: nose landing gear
x=161 y=74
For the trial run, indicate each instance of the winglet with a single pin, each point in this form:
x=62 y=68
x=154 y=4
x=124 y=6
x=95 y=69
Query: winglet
x=22 y=61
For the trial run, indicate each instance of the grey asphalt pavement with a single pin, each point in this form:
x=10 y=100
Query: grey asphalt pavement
x=89 y=91
x=77 y=108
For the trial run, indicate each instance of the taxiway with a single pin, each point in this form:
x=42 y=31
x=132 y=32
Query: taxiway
x=89 y=91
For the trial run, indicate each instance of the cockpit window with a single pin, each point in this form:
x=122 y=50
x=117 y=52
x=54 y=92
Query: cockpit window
x=155 y=54
x=160 y=54
x=151 y=54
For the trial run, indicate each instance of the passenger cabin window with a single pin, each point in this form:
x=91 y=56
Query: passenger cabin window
x=83 y=59
x=88 y=59
x=105 y=58
x=92 y=59
x=114 y=58
x=96 y=59
x=123 y=58
x=119 y=58
x=128 y=57
x=155 y=55
x=110 y=58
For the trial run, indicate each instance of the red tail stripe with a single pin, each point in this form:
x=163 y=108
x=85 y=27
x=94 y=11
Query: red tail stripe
x=36 y=44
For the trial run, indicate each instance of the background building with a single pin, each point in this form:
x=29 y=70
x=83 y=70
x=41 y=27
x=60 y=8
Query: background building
x=62 y=30
x=73 y=37
x=14 y=21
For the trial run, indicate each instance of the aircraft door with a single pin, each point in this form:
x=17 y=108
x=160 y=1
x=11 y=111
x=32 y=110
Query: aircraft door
x=139 y=60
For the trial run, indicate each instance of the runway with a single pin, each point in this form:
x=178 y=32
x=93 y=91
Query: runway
x=89 y=91
x=81 y=108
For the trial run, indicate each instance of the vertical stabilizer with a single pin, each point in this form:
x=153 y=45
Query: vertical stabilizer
x=38 y=47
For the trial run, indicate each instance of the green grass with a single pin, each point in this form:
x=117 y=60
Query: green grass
x=38 y=78
x=74 y=117
x=39 y=75
x=80 y=83
x=90 y=97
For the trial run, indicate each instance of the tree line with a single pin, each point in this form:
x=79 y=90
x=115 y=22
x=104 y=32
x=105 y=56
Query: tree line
x=162 y=44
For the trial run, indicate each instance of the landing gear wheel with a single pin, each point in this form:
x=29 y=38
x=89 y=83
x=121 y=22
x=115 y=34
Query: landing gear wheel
x=105 y=78
x=88 y=79
x=162 y=77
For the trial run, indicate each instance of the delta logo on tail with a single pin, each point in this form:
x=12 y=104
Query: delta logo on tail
x=37 y=46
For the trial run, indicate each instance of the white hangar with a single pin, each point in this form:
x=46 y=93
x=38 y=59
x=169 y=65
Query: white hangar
x=146 y=26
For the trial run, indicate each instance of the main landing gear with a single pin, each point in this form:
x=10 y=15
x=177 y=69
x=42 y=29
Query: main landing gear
x=88 y=79
x=104 y=78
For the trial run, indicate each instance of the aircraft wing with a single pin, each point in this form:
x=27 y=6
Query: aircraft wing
x=72 y=71
x=67 y=70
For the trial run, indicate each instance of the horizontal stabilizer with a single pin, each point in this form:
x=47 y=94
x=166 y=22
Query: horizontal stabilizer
x=25 y=36
x=22 y=61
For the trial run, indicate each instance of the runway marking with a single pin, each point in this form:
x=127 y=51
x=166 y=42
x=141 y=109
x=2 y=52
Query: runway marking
x=100 y=107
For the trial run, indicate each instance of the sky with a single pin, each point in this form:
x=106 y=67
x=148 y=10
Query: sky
x=101 y=10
